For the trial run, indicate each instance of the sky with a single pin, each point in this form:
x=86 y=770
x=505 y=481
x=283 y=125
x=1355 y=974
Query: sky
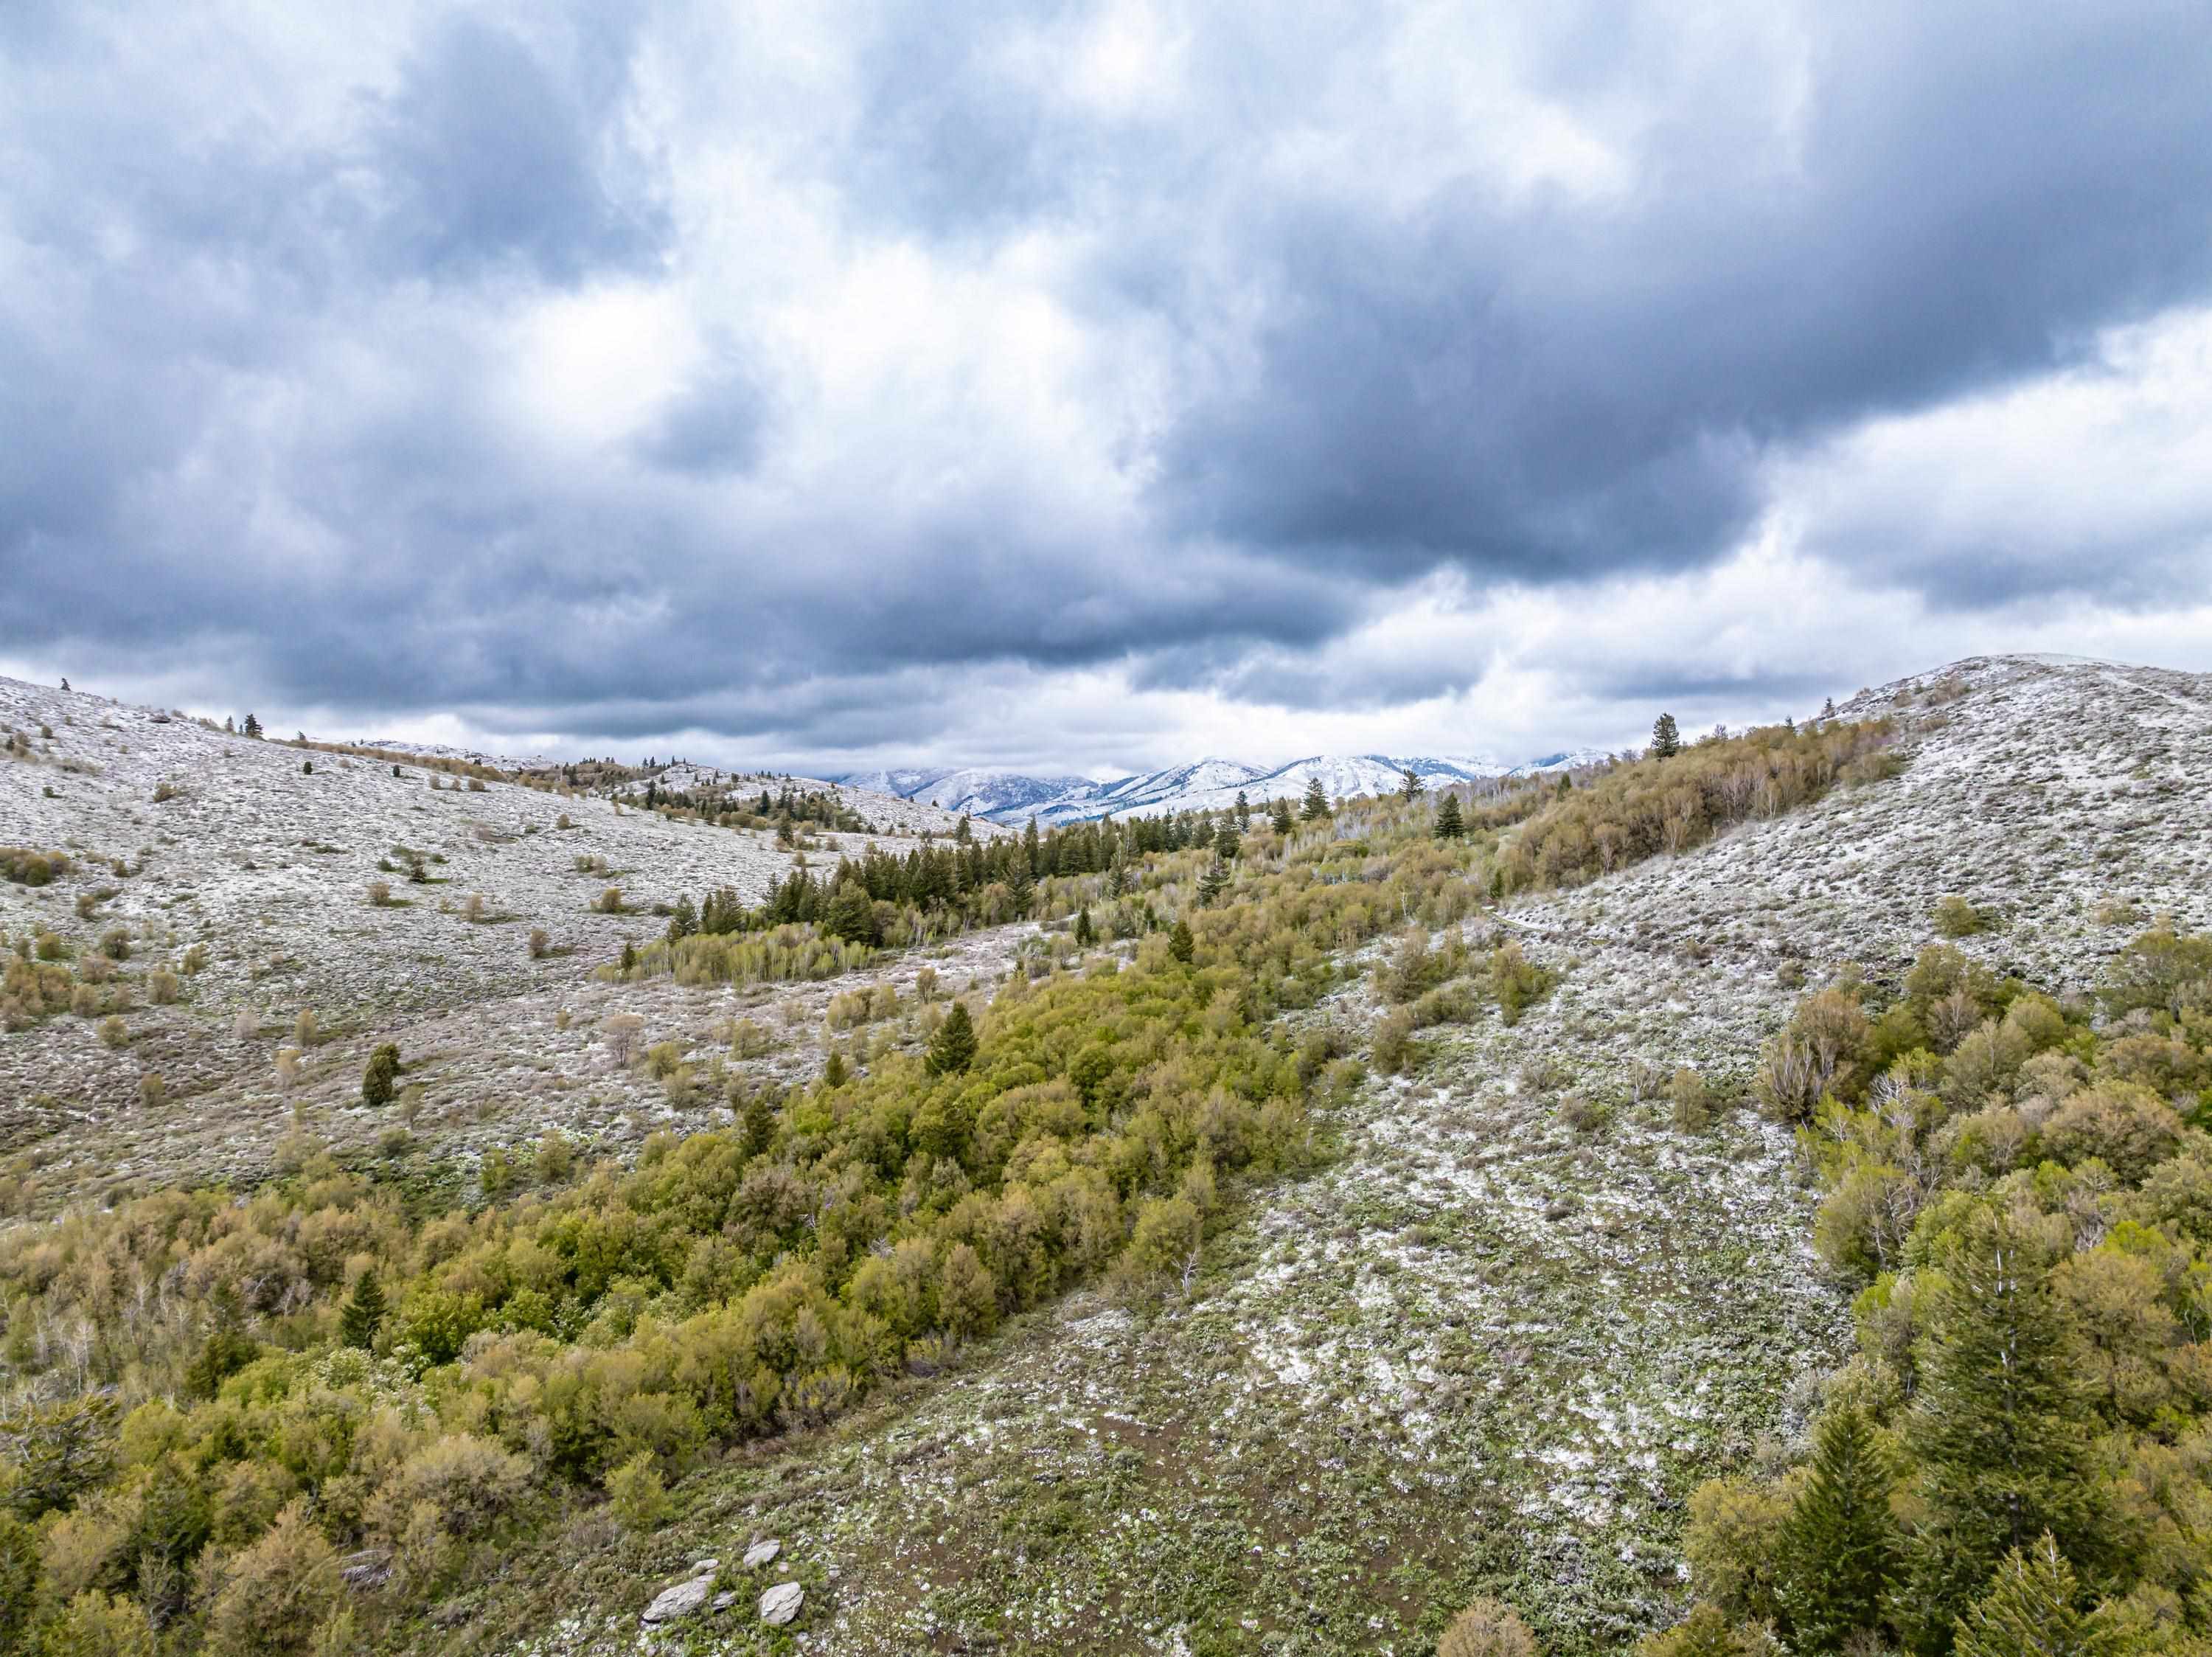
x=1087 y=387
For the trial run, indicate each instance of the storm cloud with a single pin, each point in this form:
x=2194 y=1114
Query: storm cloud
x=1089 y=384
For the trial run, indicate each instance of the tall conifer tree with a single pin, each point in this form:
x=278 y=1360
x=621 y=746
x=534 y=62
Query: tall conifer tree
x=1838 y=1546
x=2000 y=1429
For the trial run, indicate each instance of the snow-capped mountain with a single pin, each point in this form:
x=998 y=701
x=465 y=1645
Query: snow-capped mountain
x=991 y=794
x=1206 y=785
x=1574 y=759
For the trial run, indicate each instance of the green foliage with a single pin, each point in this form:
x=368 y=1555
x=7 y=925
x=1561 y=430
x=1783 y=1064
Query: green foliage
x=1517 y=983
x=1451 y=824
x=952 y=1049
x=363 y=1312
x=53 y=1454
x=1669 y=805
x=1707 y=1632
x=378 y=1077
x=1666 y=738
x=94 y=1624
x=2033 y=1608
x=1838 y=1555
x=638 y=1495
x=1957 y=918
x=1317 y=801
x=27 y=867
x=2000 y=1430
x=19 y=1582
x=2029 y=1201
x=1183 y=944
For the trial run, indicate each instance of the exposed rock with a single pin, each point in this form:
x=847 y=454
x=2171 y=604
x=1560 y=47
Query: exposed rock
x=780 y=1604
x=760 y=1553
x=681 y=1600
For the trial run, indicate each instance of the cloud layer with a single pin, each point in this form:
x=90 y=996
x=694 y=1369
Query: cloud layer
x=1090 y=384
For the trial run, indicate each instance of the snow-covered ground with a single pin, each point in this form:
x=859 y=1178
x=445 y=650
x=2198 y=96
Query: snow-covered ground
x=182 y=836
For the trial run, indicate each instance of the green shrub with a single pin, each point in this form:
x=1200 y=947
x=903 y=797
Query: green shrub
x=1957 y=918
x=379 y=1077
x=637 y=1494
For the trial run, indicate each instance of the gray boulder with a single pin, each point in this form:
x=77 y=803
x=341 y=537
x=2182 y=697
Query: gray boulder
x=780 y=1604
x=684 y=1598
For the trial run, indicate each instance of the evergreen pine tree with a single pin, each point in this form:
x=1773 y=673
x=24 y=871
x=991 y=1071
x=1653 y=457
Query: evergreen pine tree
x=628 y=956
x=1212 y=883
x=1181 y=944
x=852 y=914
x=363 y=1312
x=759 y=1122
x=1117 y=873
x=1084 y=933
x=1317 y=801
x=19 y=1582
x=1666 y=739
x=377 y=1076
x=2032 y=1609
x=1227 y=844
x=1281 y=819
x=835 y=1073
x=1243 y=809
x=252 y=726
x=1450 y=825
x=686 y=921
x=952 y=1049
x=1409 y=788
x=1838 y=1547
x=1999 y=1431
x=1029 y=858
x=1828 y=709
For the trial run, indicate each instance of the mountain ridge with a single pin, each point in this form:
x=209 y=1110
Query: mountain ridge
x=1208 y=783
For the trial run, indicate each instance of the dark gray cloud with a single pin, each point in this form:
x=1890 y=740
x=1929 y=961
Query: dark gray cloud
x=293 y=410
x=483 y=158
x=1553 y=394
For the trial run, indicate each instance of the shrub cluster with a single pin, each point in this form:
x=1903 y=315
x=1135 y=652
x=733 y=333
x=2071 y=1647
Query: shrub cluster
x=1629 y=812
x=2022 y=1448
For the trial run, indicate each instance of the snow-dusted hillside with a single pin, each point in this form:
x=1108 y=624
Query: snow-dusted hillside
x=182 y=835
x=885 y=813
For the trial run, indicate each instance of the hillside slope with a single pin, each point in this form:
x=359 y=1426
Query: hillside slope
x=1494 y=1345
x=1489 y=1347
x=268 y=867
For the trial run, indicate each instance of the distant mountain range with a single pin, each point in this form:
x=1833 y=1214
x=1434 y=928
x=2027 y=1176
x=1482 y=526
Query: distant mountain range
x=1206 y=785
